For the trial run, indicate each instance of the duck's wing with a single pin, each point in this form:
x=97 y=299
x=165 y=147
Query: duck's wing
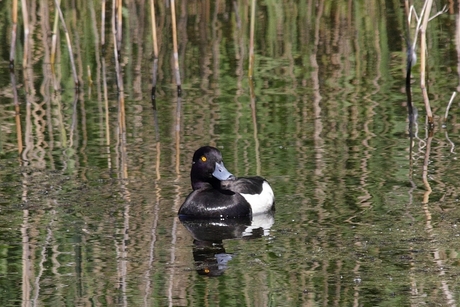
x=245 y=185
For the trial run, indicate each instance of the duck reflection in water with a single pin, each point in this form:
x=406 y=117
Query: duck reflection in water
x=222 y=206
x=208 y=245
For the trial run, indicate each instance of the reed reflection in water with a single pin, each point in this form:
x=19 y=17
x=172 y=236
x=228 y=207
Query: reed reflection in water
x=88 y=207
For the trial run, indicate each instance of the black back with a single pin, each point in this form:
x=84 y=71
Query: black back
x=245 y=185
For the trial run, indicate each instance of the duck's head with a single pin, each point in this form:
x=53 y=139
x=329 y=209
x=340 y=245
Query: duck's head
x=208 y=168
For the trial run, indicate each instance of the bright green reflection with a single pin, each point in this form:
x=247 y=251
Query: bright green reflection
x=88 y=209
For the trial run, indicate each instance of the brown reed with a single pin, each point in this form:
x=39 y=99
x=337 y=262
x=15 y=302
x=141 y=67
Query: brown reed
x=423 y=52
x=176 y=54
x=102 y=23
x=116 y=48
x=25 y=17
x=14 y=17
x=154 y=29
x=54 y=40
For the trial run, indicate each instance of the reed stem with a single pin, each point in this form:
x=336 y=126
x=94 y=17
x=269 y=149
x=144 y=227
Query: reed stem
x=14 y=17
x=176 y=54
x=54 y=40
x=25 y=17
x=116 y=47
x=69 y=45
x=119 y=24
x=103 y=24
x=154 y=29
x=423 y=53
x=155 y=52
x=449 y=105
x=251 y=39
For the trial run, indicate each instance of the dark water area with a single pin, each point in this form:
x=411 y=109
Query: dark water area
x=91 y=180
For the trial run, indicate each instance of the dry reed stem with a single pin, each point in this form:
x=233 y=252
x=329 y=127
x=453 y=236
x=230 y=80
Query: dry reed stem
x=90 y=79
x=103 y=23
x=448 y=105
x=176 y=55
x=155 y=51
x=119 y=24
x=106 y=109
x=251 y=39
x=154 y=29
x=54 y=40
x=14 y=17
x=116 y=48
x=25 y=16
x=423 y=53
x=178 y=134
x=254 y=125
x=69 y=45
x=17 y=111
x=419 y=21
x=426 y=161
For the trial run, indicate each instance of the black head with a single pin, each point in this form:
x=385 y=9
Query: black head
x=208 y=168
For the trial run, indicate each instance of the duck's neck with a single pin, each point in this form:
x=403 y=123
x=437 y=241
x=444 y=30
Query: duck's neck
x=200 y=184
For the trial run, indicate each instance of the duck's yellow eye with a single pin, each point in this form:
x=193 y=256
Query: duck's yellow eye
x=203 y=158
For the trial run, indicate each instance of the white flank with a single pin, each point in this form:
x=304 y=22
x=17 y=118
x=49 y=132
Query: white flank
x=262 y=202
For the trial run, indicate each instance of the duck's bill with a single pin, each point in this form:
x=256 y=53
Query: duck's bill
x=222 y=173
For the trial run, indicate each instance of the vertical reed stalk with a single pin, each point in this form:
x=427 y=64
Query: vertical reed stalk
x=251 y=39
x=103 y=24
x=17 y=111
x=25 y=17
x=426 y=161
x=69 y=45
x=448 y=106
x=14 y=17
x=176 y=54
x=154 y=29
x=254 y=124
x=116 y=47
x=154 y=83
x=119 y=24
x=177 y=133
x=423 y=53
x=410 y=61
x=54 y=40
x=155 y=52
x=251 y=84
x=106 y=109
x=26 y=261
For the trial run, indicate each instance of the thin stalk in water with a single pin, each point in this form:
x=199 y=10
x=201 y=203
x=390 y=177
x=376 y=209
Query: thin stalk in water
x=251 y=39
x=103 y=25
x=25 y=16
x=176 y=54
x=14 y=18
x=423 y=52
x=155 y=51
x=69 y=45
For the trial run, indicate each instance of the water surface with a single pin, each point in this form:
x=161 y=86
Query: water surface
x=92 y=180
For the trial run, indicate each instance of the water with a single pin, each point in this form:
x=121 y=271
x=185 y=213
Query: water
x=88 y=207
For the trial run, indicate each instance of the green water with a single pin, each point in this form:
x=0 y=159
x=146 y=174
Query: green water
x=91 y=183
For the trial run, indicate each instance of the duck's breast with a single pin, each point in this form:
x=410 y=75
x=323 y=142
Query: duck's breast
x=213 y=203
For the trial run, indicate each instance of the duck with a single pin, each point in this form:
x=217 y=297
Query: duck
x=218 y=194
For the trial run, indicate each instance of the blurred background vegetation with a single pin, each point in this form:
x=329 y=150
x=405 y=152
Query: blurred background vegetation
x=91 y=179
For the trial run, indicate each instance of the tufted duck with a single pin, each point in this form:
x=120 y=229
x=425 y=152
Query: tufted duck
x=218 y=194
